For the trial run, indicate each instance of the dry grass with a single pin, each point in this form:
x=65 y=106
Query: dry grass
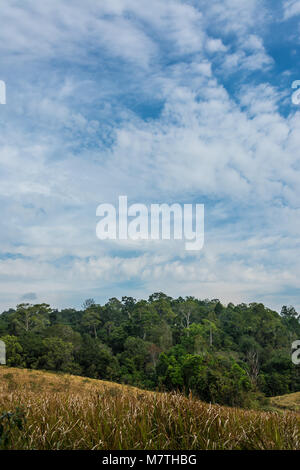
x=66 y=412
x=287 y=402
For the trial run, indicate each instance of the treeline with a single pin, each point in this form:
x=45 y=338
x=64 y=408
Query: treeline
x=235 y=355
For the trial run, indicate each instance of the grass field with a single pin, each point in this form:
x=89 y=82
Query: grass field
x=59 y=411
x=287 y=402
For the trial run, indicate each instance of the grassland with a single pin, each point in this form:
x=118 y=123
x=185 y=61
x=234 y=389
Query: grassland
x=287 y=402
x=58 y=411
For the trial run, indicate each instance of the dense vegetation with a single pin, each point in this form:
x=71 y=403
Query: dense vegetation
x=234 y=355
x=49 y=411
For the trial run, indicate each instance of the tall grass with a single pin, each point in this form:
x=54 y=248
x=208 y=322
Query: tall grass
x=112 y=417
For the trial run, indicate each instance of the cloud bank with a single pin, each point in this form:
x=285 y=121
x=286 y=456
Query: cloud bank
x=182 y=102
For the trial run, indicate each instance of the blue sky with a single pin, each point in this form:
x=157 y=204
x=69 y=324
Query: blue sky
x=168 y=101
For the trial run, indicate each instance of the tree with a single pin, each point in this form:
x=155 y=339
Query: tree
x=254 y=366
x=66 y=333
x=91 y=319
x=154 y=352
x=58 y=355
x=128 y=305
x=289 y=312
x=31 y=317
x=97 y=360
x=162 y=305
x=14 y=351
x=223 y=354
x=218 y=308
x=88 y=303
x=186 y=310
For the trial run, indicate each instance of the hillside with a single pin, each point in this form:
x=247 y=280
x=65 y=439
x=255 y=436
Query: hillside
x=291 y=401
x=234 y=355
x=60 y=411
x=13 y=379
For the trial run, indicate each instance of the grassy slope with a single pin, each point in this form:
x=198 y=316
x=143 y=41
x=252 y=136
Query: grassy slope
x=12 y=379
x=68 y=412
x=287 y=402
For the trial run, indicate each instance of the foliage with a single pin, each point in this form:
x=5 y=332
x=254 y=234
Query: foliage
x=8 y=422
x=231 y=355
x=70 y=413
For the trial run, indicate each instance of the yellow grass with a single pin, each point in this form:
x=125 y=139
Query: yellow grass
x=66 y=412
x=287 y=402
x=37 y=380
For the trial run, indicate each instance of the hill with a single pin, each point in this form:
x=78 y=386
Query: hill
x=291 y=401
x=234 y=355
x=43 y=410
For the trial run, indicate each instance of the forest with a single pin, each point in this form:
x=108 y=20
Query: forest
x=236 y=355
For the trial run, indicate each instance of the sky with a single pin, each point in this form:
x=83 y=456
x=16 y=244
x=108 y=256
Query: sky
x=169 y=101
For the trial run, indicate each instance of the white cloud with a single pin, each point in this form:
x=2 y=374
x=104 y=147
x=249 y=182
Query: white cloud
x=86 y=62
x=215 y=45
x=291 y=8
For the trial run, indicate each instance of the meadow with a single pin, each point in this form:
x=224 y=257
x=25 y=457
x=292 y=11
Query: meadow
x=43 y=410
